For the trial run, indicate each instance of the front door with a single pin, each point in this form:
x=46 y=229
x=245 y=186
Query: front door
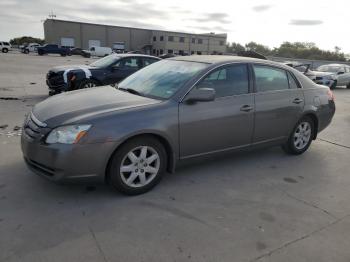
x=122 y=69
x=279 y=103
x=226 y=122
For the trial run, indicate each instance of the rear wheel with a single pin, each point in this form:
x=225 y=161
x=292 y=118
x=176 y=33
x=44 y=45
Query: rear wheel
x=26 y=51
x=88 y=83
x=301 y=137
x=137 y=166
x=334 y=85
x=40 y=52
x=4 y=50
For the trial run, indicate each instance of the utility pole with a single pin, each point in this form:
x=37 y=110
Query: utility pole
x=52 y=15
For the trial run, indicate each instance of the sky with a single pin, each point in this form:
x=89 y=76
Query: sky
x=269 y=22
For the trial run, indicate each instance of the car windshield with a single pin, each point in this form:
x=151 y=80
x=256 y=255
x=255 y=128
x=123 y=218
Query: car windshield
x=162 y=79
x=333 y=69
x=106 y=61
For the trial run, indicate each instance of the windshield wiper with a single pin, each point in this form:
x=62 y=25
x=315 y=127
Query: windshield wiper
x=131 y=91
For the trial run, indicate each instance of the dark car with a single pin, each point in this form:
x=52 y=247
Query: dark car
x=105 y=71
x=176 y=109
x=53 y=49
x=80 y=51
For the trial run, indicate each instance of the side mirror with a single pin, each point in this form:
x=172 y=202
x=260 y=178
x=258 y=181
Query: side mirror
x=341 y=72
x=200 y=95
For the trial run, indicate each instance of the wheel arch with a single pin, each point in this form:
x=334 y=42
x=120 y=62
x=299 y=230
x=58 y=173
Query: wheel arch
x=315 y=119
x=171 y=159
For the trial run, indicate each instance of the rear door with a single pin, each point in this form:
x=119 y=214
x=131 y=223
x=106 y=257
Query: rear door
x=279 y=103
x=225 y=123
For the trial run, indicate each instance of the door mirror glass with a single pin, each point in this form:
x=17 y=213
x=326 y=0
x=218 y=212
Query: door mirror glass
x=200 y=95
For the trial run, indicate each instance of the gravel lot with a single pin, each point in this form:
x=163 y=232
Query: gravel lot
x=256 y=206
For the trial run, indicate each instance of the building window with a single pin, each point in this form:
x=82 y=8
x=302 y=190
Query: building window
x=154 y=51
x=170 y=38
x=199 y=52
x=161 y=38
x=200 y=41
x=154 y=38
x=161 y=51
x=221 y=42
x=182 y=39
x=193 y=40
x=170 y=51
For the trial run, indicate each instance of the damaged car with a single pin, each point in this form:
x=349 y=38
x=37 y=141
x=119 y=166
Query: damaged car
x=105 y=71
x=333 y=75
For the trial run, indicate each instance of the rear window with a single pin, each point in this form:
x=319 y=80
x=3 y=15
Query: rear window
x=270 y=79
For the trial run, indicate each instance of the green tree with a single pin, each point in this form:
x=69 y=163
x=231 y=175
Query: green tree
x=259 y=48
x=26 y=40
x=234 y=48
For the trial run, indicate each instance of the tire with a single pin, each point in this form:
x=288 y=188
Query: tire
x=298 y=144
x=4 y=50
x=348 y=86
x=333 y=86
x=138 y=180
x=88 y=83
x=63 y=54
x=26 y=51
x=40 y=52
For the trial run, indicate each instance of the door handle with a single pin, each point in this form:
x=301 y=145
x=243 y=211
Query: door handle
x=246 y=108
x=297 y=101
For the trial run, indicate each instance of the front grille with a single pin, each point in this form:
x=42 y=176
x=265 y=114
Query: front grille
x=55 y=79
x=34 y=129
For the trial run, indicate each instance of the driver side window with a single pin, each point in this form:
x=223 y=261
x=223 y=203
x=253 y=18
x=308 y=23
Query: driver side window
x=130 y=62
x=227 y=81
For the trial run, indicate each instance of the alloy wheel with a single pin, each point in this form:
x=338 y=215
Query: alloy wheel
x=140 y=166
x=302 y=135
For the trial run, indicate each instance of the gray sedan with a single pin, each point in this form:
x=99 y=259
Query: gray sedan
x=176 y=109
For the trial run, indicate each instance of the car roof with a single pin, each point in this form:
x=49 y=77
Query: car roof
x=222 y=59
x=335 y=65
x=137 y=55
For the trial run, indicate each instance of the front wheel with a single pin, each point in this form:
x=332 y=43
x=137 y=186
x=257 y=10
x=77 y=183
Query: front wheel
x=300 y=139
x=5 y=50
x=88 y=83
x=333 y=86
x=137 y=166
x=348 y=86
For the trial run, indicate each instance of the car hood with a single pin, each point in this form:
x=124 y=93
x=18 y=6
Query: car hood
x=319 y=73
x=58 y=69
x=76 y=106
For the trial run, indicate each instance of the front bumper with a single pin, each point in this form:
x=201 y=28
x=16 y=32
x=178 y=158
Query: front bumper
x=67 y=163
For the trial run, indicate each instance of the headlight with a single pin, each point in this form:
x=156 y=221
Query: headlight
x=67 y=134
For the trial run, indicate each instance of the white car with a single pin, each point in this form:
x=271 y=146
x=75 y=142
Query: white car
x=32 y=47
x=5 y=47
x=100 y=51
x=333 y=75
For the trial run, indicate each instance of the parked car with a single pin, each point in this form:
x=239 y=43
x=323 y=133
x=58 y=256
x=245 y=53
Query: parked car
x=53 y=49
x=80 y=51
x=5 y=47
x=105 y=71
x=333 y=75
x=32 y=47
x=164 y=56
x=172 y=110
x=303 y=68
x=100 y=51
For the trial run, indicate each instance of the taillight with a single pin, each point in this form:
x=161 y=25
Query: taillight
x=330 y=95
